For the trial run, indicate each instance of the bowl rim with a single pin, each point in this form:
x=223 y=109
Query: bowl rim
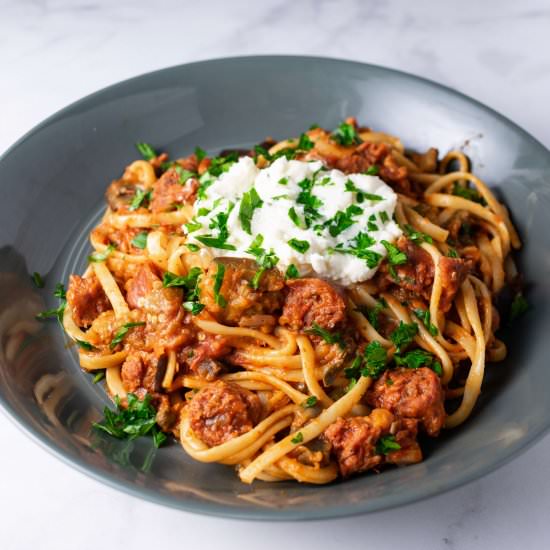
x=271 y=514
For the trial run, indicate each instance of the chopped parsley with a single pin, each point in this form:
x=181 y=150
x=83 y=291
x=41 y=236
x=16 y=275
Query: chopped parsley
x=384 y=218
x=298 y=438
x=183 y=174
x=122 y=332
x=140 y=240
x=452 y=253
x=292 y=272
x=137 y=419
x=97 y=257
x=311 y=401
x=218 y=165
x=57 y=312
x=362 y=195
x=37 y=279
x=98 y=376
x=371 y=223
x=309 y=201
x=372 y=170
x=374 y=360
x=305 y=143
x=343 y=220
x=386 y=445
x=299 y=246
x=346 y=134
x=327 y=336
x=403 y=335
x=82 y=344
x=293 y=215
x=359 y=247
x=519 y=306
x=372 y=363
x=200 y=154
x=190 y=283
x=146 y=151
x=266 y=260
x=250 y=201
x=218 y=223
x=417 y=237
x=418 y=358
x=372 y=314
x=218 y=281
x=468 y=193
x=140 y=197
x=395 y=256
x=424 y=316
x=283 y=181
x=193 y=307
x=193 y=247
x=193 y=225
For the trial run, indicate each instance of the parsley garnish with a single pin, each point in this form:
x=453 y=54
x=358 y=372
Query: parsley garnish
x=298 y=438
x=468 y=193
x=343 y=220
x=403 y=335
x=346 y=134
x=299 y=246
x=218 y=165
x=519 y=306
x=452 y=253
x=373 y=313
x=298 y=222
x=193 y=307
x=37 y=280
x=305 y=144
x=384 y=218
x=266 y=260
x=193 y=225
x=215 y=242
x=97 y=257
x=309 y=201
x=360 y=248
x=200 y=154
x=311 y=401
x=414 y=359
x=250 y=201
x=140 y=197
x=372 y=170
x=386 y=445
x=58 y=312
x=140 y=240
x=395 y=256
x=327 y=336
x=122 y=332
x=188 y=281
x=218 y=281
x=82 y=344
x=292 y=272
x=98 y=377
x=417 y=237
x=283 y=181
x=193 y=247
x=183 y=174
x=424 y=316
x=137 y=419
x=146 y=151
x=371 y=223
x=362 y=195
x=374 y=360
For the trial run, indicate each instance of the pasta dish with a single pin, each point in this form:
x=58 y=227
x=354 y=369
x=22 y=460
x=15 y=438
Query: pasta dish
x=308 y=309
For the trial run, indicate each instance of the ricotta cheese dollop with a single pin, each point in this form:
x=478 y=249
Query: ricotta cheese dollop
x=322 y=221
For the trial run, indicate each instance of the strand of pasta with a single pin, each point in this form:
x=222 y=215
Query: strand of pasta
x=233 y=446
x=310 y=431
x=114 y=382
x=472 y=387
x=213 y=327
x=110 y=287
x=308 y=474
x=308 y=367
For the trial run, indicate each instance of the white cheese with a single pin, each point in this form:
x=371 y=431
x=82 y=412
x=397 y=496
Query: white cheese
x=279 y=188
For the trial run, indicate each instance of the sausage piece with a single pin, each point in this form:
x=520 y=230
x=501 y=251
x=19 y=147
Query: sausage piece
x=168 y=192
x=221 y=411
x=411 y=393
x=312 y=301
x=86 y=299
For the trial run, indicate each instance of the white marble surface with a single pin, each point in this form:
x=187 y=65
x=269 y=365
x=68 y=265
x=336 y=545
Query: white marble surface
x=54 y=52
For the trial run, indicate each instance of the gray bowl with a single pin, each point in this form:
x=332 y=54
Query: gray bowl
x=52 y=185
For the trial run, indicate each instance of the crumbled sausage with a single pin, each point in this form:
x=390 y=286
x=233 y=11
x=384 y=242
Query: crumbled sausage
x=411 y=393
x=221 y=411
x=312 y=301
x=453 y=273
x=240 y=301
x=86 y=299
x=168 y=192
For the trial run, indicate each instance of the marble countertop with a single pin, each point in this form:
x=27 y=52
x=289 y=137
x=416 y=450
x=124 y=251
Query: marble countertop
x=55 y=51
